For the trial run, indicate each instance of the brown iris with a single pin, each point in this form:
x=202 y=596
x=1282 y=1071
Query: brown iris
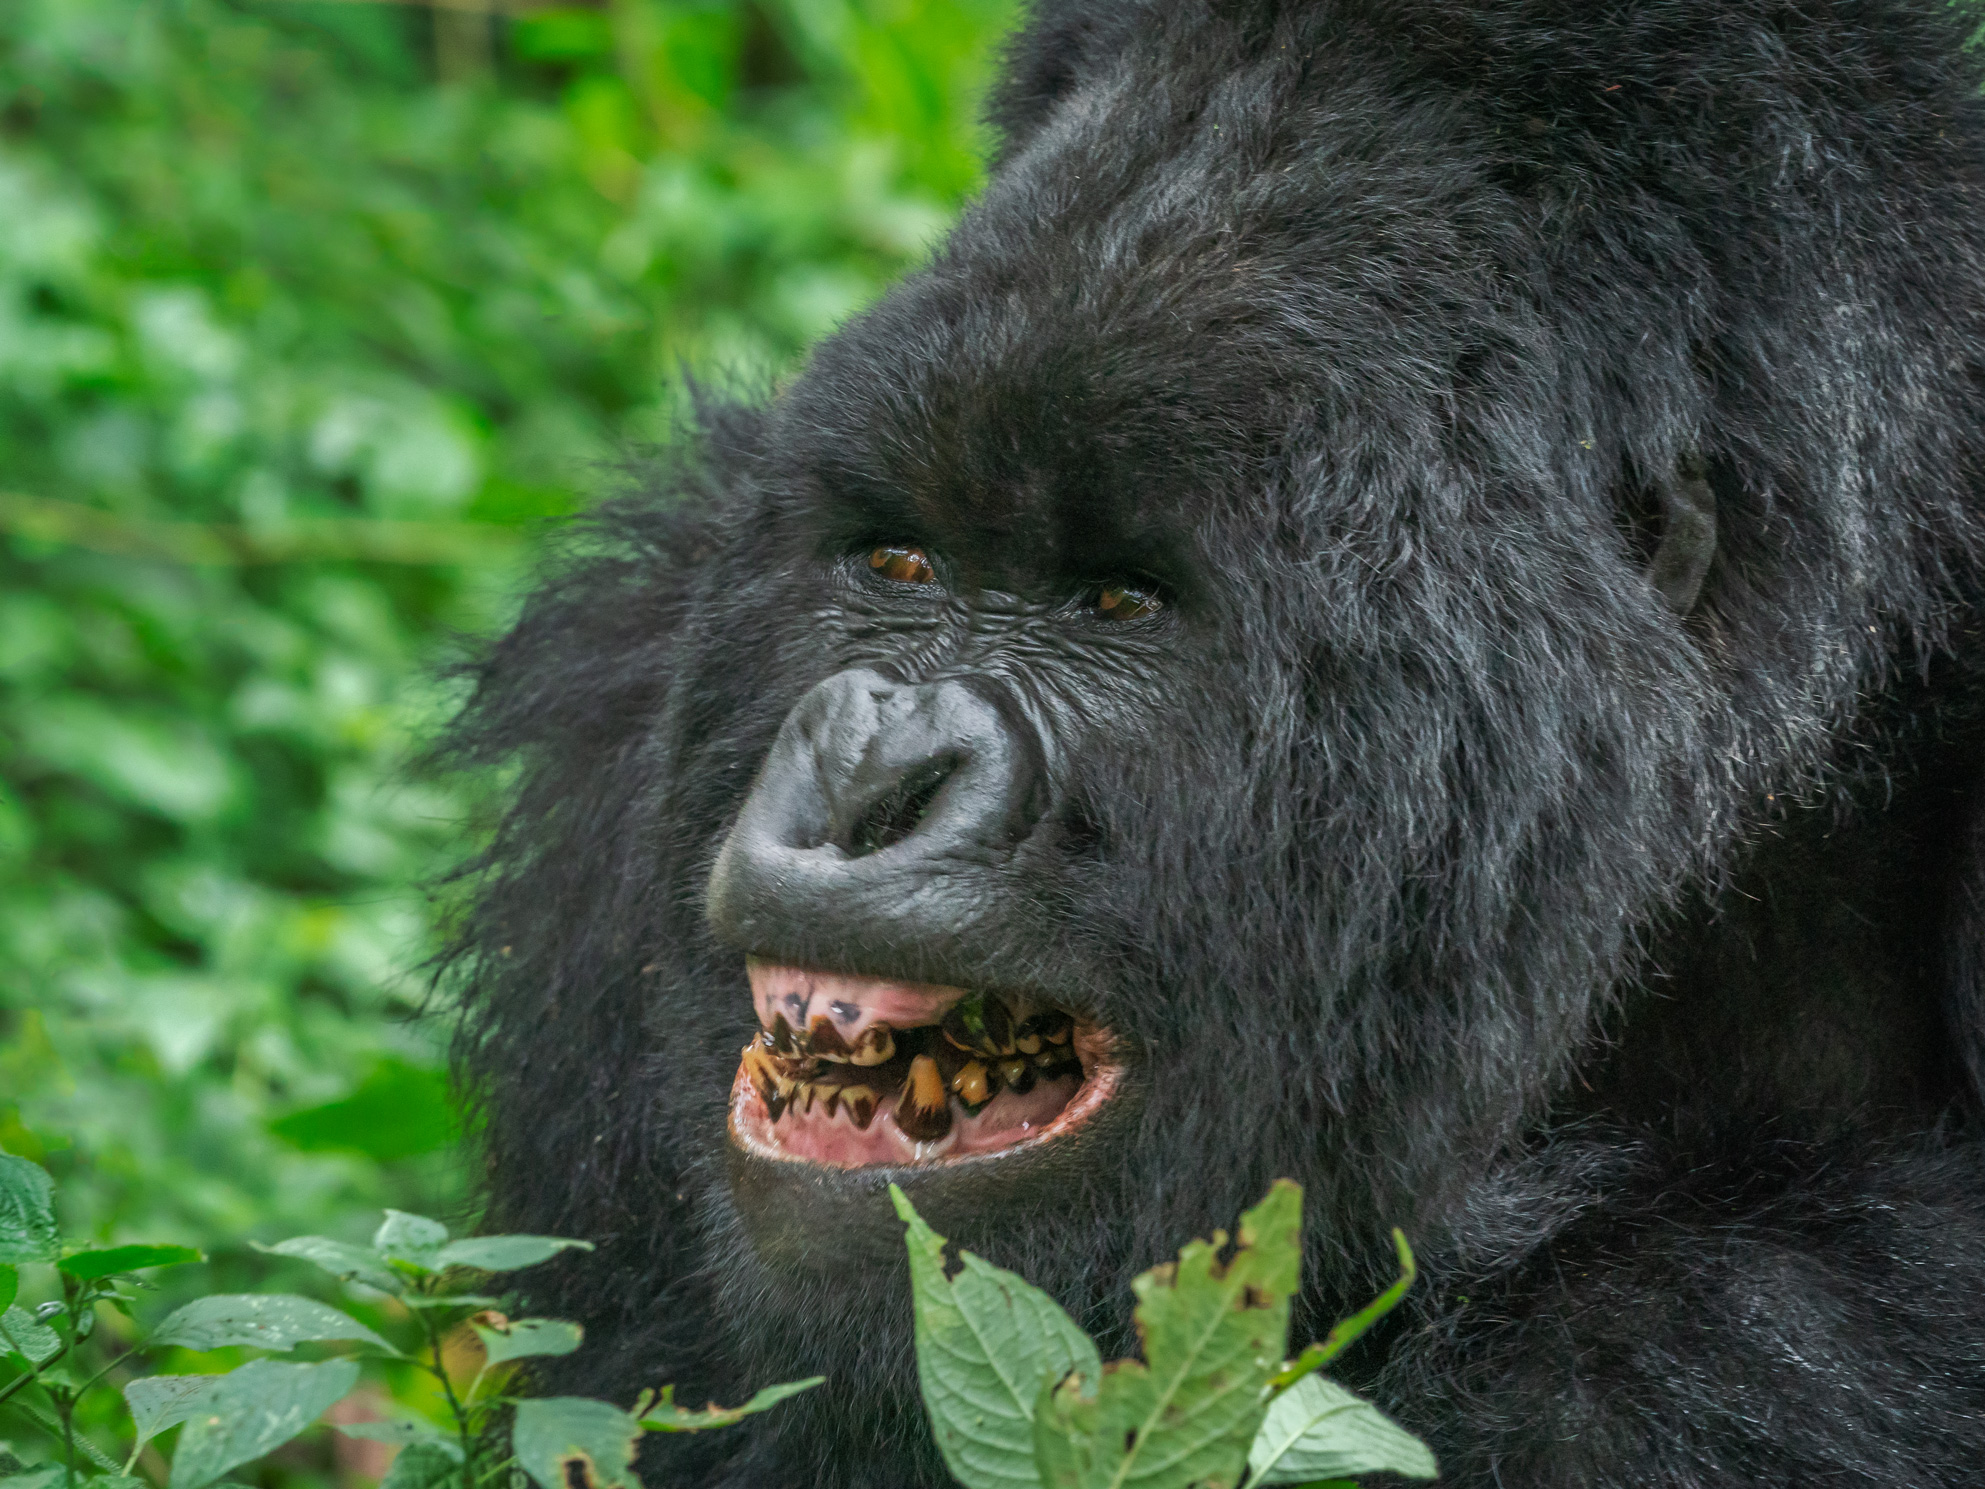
x=904 y=565
x=1127 y=602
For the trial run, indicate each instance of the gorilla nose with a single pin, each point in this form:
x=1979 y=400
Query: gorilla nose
x=876 y=823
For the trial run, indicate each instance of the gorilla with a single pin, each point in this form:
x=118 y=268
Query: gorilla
x=1398 y=605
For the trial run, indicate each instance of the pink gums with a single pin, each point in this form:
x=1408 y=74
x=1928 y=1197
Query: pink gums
x=852 y=1003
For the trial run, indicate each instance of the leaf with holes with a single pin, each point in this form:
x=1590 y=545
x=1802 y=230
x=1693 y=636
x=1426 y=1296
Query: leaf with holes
x=252 y=1411
x=987 y=1342
x=569 y=1442
x=527 y=1338
x=27 y=1212
x=1213 y=1335
x=663 y=1415
x=264 y=1321
x=1316 y=1430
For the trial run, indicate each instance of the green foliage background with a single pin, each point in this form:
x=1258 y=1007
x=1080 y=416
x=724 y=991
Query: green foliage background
x=310 y=314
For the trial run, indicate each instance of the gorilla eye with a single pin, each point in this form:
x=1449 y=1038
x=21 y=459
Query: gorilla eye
x=904 y=565
x=1127 y=602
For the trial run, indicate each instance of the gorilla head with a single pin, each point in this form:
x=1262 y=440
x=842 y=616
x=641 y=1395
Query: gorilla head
x=1232 y=670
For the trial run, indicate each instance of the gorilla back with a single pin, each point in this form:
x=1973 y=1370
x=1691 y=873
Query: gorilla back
x=1398 y=605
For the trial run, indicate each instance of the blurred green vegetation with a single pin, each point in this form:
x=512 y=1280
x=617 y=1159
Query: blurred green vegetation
x=309 y=314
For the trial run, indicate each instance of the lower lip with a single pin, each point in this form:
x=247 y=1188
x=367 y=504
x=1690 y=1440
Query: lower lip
x=752 y=1128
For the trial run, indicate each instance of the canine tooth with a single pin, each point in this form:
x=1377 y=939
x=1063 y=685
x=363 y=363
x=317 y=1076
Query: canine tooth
x=922 y=1111
x=970 y=1084
x=781 y=1036
x=877 y=1044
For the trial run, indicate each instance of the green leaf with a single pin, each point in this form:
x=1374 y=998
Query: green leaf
x=117 y=1481
x=27 y=1212
x=405 y=1434
x=10 y=1284
x=113 y=1261
x=341 y=1259
x=505 y=1253
x=43 y=1476
x=1317 y=1429
x=987 y=1342
x=252 y=1411
x=159 y=1402
x=398 y=1111
x=1347 y=1331
x=21 y=1333
x=413 y=1239
x=525 y=1338
x=262 y=1320
x=1213 y=1337
x=570 y=1442
x=663 y=1415
x=425 y=1465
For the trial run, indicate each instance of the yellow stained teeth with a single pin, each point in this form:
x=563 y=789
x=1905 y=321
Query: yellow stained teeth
x=923 y=1112
x=877 y=1044
x=971 y=1085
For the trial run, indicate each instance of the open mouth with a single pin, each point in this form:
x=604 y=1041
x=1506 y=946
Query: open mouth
x=853 y=1071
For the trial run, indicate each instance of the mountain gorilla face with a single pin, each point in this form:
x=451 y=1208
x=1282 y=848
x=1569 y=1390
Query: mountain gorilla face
x=1207 y=680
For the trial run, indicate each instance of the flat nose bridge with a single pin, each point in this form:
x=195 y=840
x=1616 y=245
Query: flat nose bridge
x=872 y=791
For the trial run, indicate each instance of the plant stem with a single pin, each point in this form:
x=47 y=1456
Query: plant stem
x=440 y=1372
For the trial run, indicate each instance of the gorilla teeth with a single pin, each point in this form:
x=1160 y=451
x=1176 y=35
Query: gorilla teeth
x=972 y=1085
x=927 y=1075
x=923 y=1111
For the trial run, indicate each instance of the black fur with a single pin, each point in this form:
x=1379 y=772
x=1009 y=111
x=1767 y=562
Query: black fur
x=1629 y=960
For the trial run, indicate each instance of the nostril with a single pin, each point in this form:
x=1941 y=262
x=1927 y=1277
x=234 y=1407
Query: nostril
x=900 y=811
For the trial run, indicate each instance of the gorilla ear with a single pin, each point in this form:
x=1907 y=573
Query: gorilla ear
x=1688 y=536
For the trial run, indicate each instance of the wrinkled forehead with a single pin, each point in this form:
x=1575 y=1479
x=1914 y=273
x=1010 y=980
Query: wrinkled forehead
x=1163 y=302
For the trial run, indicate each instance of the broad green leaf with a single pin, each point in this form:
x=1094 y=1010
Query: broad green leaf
x=987 y=1342
x=398 y=1111
x=1213 y=1336
x=425 y=1465
x=504 y=1253
x=1316 y=1429
x=263 y=1320
x=20 y=1333
x=113 y=1261
x=252 y=1411
x=158 y=1402
x=116 y=1481
x=663 y=1415
x=413 y=1239
x=27 y=1212
x=445 y=1301
x=524 y=1338
x=341 y=1259
x=10 y=1284
x=405 y=1434
x=570 y=1442
x=43 y=1476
